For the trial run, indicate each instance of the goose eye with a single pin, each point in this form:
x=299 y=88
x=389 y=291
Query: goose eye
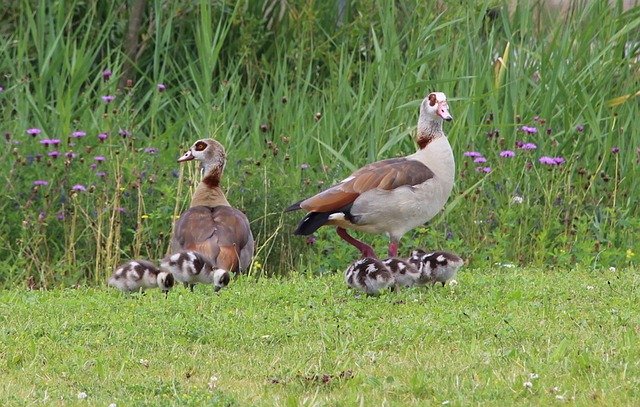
x=432 y=99
x=201 y=145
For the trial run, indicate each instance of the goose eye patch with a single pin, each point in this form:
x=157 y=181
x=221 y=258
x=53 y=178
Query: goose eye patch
x=201 y=146
x=432 y=99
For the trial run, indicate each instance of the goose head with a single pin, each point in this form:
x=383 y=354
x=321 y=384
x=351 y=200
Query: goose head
x=434 y=107
x=220 y=279
x=209 y=152
x=165 y=281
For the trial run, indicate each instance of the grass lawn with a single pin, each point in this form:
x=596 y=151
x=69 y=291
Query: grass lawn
x=572 y=334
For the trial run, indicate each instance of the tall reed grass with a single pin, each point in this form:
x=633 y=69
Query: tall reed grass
x=300 y=101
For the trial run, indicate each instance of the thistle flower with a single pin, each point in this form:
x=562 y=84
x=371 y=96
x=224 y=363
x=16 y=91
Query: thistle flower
x=34 y=131
x=79 y=188
x=70 y=154
x=53 y=154
x=50 y=142
x=1 y=89
x=40 y=182
x=486 y=170
x=615 y=150
x=106 y=74
x=108 y=98
x=304 y=166
x=99 y=158
x=124 y=133
x=472 y=154
x=580 y=128
x=103 y=136
x=480 y=160
x=60 y=215
x=151 y=150
x=507 y=154
x=161 y=87
x=101 y=174
x=78 y=134
x=529 y=129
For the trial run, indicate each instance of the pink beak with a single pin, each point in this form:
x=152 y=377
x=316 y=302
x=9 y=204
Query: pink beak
x=443 y=111
x=186 y=157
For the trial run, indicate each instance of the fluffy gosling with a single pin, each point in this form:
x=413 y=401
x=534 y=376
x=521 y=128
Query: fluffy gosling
x=404 y=272
x=190 y=267
x=369 y=275
x=435 y=267
x=139 y=275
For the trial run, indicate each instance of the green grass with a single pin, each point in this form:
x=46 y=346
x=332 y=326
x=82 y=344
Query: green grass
x=309 y=341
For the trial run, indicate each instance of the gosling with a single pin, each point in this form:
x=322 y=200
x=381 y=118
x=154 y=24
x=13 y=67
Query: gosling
x=369 y=275
x=435 y=267
x=139 y=275
x=190 y=267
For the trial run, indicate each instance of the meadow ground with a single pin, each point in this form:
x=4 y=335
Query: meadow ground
x=507 y=336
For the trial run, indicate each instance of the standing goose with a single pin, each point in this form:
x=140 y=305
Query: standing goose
x=390 y=196
x=211 y=226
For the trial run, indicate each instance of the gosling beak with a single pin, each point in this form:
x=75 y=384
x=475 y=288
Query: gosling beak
x=186 y=157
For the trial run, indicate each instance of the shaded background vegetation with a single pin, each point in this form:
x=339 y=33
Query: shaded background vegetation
x=301 y=93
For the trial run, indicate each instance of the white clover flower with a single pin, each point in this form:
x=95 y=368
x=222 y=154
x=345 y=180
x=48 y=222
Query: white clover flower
x=533 y=376
x=527 y=385
x=612 y=269
x=590 y=287
x=82 y=395
x=517 y=199
x=213 y=382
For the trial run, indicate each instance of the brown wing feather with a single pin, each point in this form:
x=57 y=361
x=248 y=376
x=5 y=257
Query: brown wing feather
x=387 y=174
x=218 y=233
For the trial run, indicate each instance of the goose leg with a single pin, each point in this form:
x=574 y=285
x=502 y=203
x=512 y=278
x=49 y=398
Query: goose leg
x=393 y=248
x=365 y=249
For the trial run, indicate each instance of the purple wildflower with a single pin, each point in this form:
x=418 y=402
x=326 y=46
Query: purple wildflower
x=34 y=131
x=1 y=89
x=527 y=146
x=40 y=182
x=304 y=166
x=480 y=160
x=103 y=136
x=106 y=74
x=42 y=216
x=484 y=169
x=53 y=154
x=99 y=158
x=551 y=160
x=529 y=129
x=70 y=154
x=78 y=134
x=615 y=150
x=101 y=174
x=507 y=154
x=472 y=154
x=79 y=188
x=124 y=133
x=151 y=150
x=311 y=240
x=93 y=166
x=108 y=98
x=161 y=87
x=60 y=215
x=580 y=128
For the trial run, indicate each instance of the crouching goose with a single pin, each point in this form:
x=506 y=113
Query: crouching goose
x=435 y=267
x=391 y=196
x=211 y=226
x=138 y=275
x=191 y=267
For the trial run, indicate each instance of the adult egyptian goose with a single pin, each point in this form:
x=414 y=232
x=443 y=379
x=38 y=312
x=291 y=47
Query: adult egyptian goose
x=391 y=196
x=435 y=267
x=368 y=275
x=211 y=226
x=190 y=268
x=139 y=275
